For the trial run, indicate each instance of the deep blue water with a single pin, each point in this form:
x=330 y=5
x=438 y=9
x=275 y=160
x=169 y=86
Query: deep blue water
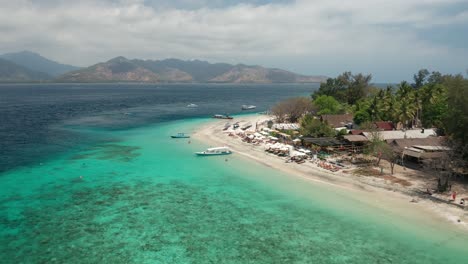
x=34 y=118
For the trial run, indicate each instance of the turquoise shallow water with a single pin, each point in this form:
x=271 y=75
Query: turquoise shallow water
x=145 y=198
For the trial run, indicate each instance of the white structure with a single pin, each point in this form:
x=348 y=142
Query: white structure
x=286 y=126
x=400 y=134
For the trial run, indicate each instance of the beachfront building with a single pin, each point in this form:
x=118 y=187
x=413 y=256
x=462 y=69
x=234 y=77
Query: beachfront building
x=327 y=144
x=429 y=152
x=286 y=126
x=401 y=134
x=357 y=142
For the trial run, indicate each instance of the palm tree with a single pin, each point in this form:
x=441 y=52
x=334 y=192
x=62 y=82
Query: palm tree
x=387 y=105
x=406 y=103
x=418 y=106
x=374 y=109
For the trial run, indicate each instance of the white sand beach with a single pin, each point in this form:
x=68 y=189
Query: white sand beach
x=374 y=191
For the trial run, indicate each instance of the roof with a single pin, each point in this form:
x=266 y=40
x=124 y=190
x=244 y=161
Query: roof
x=432 y=148
x=286 y=126
x=403 y=143
x=356 y=132
x=337 y=120
x=399 y=134
x=413 y=152
x=384 y=125
x=323 y=142
x=419 y=153
x=355 y=138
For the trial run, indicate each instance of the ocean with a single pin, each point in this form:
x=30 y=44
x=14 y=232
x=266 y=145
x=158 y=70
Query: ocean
x=89 y=174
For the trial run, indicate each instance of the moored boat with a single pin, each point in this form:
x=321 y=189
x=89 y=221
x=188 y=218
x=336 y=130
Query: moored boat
x=180 y=135
x=248 y=107
x=215 y=151
x=222 y=116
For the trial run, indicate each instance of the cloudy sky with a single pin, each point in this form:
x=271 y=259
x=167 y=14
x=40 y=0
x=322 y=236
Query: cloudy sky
x=389 y=39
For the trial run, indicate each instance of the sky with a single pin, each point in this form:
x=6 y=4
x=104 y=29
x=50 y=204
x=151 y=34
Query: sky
x=389 y=39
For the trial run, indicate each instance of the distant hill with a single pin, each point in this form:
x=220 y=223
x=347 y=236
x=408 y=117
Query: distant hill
x=115 y=70
x=174 y=70
x=36 y=62
x=11 y=72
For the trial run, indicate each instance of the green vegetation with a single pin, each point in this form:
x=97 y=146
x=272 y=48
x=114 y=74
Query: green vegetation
x=433 y=100
x=346 y=88
x=327 y=105
x=455 y=119
x=313 y=127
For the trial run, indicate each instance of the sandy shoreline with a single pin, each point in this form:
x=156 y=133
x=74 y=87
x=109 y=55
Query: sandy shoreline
x=369 y=190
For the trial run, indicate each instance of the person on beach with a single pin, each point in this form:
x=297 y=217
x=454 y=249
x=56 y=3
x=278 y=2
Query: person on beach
x=454 y=196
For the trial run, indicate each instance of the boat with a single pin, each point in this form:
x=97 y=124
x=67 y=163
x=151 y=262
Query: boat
x=248 y=107
x=180 y=135
x=215 y=151
x=222 y=116
x=192 y=105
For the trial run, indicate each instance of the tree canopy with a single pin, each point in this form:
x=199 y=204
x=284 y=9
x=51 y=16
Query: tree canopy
x=292 y=109
x=313 y=127
x=455 y=120
x=327 y=105
x=346 y=88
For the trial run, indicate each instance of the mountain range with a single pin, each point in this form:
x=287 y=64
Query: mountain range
x=36 y=62
x=28 y=66
x=11 y=72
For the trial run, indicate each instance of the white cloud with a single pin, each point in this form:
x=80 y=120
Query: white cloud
x=88 y=31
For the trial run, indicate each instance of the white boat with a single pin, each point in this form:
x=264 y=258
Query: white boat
x=248 y=107
x=192 y=105
x=215 y=151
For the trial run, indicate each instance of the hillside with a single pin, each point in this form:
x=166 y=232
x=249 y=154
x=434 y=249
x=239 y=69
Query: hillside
x=36 y=62
x=117 y=69
x=174 y=70
x=11 y=72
